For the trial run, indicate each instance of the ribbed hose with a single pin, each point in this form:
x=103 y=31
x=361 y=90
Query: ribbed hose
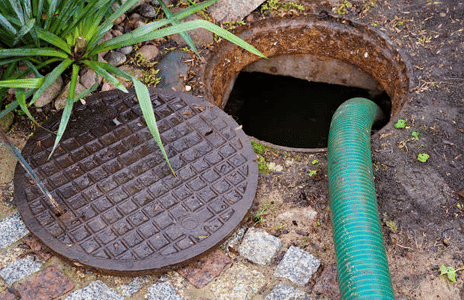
x=361 y=258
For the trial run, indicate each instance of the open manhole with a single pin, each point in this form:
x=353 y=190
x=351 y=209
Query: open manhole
x=125 y=211
x=333 y=54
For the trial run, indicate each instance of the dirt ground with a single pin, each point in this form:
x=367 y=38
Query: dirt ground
x=420 y=208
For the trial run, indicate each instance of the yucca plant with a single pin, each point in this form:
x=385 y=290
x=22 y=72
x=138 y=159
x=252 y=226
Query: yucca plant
x=52 y=37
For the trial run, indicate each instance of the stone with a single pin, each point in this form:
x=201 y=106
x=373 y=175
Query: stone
x=125 y=50
x=87 y=78
x=162 y=291
x=286 y=292
x=233 y=10
x=136 y=72
x=237 y=283
x=205 y=269
x=311 y=68
x=48 y=284
x=8 y=296
x=327 y=284
x=147 y=10
x=119 y=20
x=116 y=32
x=149 y=52
x=115 y=58
x=106 y=37
x=199 y=36
x=234 y=242
x=6 y=121
x=259 y=247
x=297 y=266
x=61 y=100
x=19 y=269
x=172 y=70
x=95 y=290
x=130 y=289
x=300 y=214
x=12 y=229
x=50 y=93
x=133 y=19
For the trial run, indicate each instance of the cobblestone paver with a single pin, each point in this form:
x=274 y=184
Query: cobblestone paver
x=259 y=247
x=95 y=290
x=19 y=269
x=297 y=266
x=162 y=291
x=12 y=229
x=286 y=292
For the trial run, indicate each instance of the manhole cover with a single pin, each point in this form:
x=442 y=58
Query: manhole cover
x=125 y=212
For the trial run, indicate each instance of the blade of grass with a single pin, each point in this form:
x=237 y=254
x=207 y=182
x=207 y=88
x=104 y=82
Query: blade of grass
x=6 y=53
x=184 y=27
x=22 y=83
x=50 y=78
x=67 y=108
x=105 y=75
x=184 y=35
x=4 y=22
x=21 y=98
x=24 y=30
x=147 y=110
x=53 y=39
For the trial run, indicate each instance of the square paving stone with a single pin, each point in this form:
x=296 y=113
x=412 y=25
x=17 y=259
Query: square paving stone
x=286 y=292
x=237 y=283
x=297 y=265
x=259 y=247
x=48 y=284
x=162 y=291
x=12 y=229
x=95 y=290
x=205 y=269
x=19 y=269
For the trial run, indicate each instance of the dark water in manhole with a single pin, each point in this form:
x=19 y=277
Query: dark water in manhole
x=291 y=112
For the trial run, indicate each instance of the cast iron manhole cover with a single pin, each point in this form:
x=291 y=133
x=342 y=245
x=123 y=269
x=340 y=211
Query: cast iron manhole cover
x=125 y=212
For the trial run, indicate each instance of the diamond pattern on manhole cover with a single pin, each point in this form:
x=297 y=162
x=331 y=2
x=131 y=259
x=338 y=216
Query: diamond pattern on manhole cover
x=125 y=211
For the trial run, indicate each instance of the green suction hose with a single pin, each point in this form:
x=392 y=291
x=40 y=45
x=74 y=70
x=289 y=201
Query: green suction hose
x=361 y=258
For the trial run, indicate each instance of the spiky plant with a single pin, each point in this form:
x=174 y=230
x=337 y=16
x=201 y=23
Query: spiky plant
x=50 y=37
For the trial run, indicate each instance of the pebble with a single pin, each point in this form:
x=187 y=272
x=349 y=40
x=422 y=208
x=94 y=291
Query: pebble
x=297 y=266
x=147 y=11
x=233 y=10
x=115 y=58
x=125 y=50
x=149 y=52
x=50 y=93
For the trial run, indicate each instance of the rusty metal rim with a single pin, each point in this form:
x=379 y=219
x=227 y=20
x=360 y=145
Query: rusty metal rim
x=224 y=64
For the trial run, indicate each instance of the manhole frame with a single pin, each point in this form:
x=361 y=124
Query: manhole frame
x=322 y=36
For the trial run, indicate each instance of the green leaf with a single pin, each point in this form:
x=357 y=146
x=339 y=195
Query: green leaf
x=4 y=22
x=24 y=30
x=147 y=110
x=21 y=98
x=400 y=124
x=53 y=39
x=177 y=29
x=105 y=74
x=12 y=106
x=184 y=35
x=6 y=53
x=22 y=83
x=50 y=78
x=67 y=107
x=51 y=13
